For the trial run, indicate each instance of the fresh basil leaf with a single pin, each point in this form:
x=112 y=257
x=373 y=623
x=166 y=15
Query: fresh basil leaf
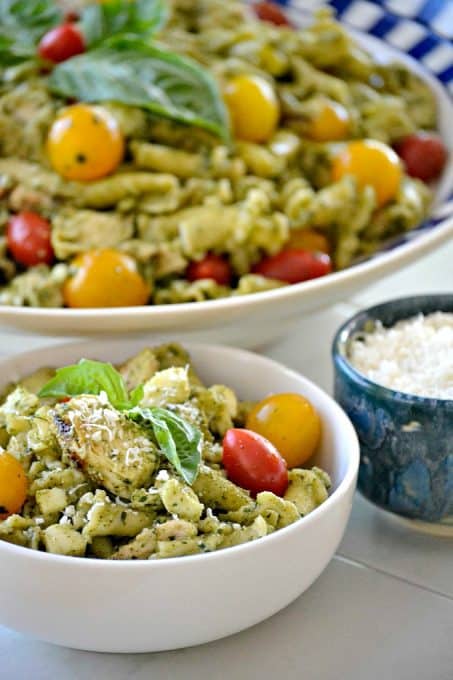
x=129 y=17
x=12 y=53
x=22 y=24
x=88 y=377
x=28 y=19
x=128 y=71
x=178 y=440
x=136 y=395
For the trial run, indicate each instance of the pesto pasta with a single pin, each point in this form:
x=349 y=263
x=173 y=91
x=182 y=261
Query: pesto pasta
x=184 y=188
x=101 y=483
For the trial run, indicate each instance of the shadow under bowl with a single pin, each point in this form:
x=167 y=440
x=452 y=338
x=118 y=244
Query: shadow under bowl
x=406 y=441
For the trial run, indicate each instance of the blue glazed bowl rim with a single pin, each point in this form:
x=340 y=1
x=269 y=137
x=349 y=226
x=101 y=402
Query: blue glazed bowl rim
x=350 y=327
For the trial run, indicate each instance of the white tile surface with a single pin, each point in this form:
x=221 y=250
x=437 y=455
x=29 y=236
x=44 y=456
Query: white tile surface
x=354 y=623
x=374 y=540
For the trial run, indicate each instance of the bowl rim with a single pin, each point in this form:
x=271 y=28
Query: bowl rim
x=263 y=362
x=344 y=335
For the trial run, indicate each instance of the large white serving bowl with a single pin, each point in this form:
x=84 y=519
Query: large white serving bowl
x=144 y=606
x=253 y=320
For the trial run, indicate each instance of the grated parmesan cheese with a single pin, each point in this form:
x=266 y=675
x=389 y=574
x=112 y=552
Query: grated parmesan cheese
x=414 y=356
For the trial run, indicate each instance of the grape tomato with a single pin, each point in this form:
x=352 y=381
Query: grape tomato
x=28 y=237
x=253 y=463
x=61 y=43
x=294 y=266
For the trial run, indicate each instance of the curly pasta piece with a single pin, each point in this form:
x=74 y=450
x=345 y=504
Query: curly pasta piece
x=386 y=119
x=76 y=231
x=106 y=518
x=179 y=291
x=166 y=159
x=215 y=491
x=307 y=489
x=259 y=160
x=404 y=213
x=140 y=548
x=25 y=114
x=35 y=177
x=159 y=192
x=40 y=286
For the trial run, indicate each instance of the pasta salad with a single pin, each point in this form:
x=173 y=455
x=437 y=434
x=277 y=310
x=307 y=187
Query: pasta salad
x=168 y=151
x=145 y=462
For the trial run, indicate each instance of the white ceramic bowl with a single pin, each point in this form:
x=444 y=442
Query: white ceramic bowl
x=149 y=606
x=252 y=320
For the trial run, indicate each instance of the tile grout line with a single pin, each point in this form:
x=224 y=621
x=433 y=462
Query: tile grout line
x=396 y=577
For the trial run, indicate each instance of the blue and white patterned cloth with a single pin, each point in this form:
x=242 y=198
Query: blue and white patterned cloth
x=421 y=28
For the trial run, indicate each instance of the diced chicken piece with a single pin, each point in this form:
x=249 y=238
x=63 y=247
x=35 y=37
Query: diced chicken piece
x=113 y=451
x=50 y=501
x=63 y=540
x=170 y=386
x=14 y=412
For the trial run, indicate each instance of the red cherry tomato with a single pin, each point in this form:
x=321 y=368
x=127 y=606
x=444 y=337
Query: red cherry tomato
x=61 y=43
x=210 y=267
x=271 y=12
x=294 y=266
x=253 y=463
x=423 y=154
x=28 y=237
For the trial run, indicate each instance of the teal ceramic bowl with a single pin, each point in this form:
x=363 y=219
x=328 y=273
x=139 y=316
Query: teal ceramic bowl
x=406 y=441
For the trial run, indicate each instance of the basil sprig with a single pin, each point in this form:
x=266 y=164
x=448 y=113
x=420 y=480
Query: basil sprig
x=179 y=441
x=128 y=71
x=92 y=377
x=22 y=24
x=101 y=21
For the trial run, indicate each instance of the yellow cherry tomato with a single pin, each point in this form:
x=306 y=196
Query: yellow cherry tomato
x=290 y=423
x=105 y=278
x=85 y=143
x=371 y=163
x=330 y=124
x=308 y=239
x=253 y=107
x=13 y=485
